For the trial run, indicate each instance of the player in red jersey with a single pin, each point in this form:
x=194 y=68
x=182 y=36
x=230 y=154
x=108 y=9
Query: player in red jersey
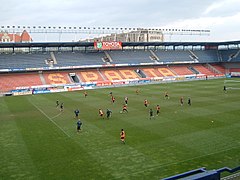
x=101 y=114
x=158 y=110
x=124 y=108
x=146 y=103
x=113 y=99
x=122 y=136
x=181 y=101
x=85 y=94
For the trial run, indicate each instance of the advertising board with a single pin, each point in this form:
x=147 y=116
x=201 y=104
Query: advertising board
x=107 y=45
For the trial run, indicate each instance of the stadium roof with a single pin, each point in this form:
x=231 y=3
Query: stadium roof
x=91 y=44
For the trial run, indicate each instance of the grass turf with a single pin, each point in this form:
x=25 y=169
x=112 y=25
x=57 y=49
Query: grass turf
x=39 y=142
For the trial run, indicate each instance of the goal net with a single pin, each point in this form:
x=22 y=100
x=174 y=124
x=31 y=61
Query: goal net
x=232 y=84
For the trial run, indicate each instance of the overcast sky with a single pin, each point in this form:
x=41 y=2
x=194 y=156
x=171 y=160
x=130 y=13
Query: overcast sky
x=221 y=17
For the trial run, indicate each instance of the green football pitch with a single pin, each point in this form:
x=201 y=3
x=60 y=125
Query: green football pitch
x=37 y=141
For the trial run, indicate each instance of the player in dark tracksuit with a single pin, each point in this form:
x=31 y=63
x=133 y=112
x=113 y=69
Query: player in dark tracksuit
x=126 y=100
x=61 y=107
x=76 y=113
x=189 y=101
x=79 y=124
x=109 y=112
x=57 y=103
x=150 y=114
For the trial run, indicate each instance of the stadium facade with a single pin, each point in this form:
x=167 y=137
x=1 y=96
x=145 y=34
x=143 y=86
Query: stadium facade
x=69 y=66
x=140 y=35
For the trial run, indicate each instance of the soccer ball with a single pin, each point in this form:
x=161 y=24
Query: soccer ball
x=121 y=112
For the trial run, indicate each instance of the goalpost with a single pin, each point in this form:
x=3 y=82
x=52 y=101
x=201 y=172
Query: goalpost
x=232 y=84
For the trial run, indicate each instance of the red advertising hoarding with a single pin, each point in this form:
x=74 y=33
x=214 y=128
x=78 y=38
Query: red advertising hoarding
x=107 y=45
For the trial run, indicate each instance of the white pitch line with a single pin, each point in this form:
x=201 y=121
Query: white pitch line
x=56 y=115
x=50 y=119
x=183 y=161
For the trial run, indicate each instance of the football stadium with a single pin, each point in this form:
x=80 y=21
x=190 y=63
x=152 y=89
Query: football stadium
x=119 y=109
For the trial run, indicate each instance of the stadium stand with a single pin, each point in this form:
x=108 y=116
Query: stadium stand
x=234 y=70
x=115 y=74
x=173 y=56
x=206 y=56
x=130 y=57
x=129 y=73
x=235 y=176
x=23 y=60
x=140 y=73
x=57 y=78
x=230 y=55
x=203 y=70
x=151 y=72
x=63 y=64
x=195 y=71
x=181 y=69
x=13 y=81
x=219 y=68
x=90 y=75
x=79 y=58
x=204 y=174
x=165 y=71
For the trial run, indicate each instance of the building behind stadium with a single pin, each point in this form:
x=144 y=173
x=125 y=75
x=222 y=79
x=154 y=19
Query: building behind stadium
x=140 y=35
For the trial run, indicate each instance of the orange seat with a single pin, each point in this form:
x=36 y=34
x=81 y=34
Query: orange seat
x=13 y=81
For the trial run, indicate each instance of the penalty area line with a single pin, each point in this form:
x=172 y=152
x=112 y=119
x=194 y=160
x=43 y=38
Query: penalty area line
x=50 y=119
